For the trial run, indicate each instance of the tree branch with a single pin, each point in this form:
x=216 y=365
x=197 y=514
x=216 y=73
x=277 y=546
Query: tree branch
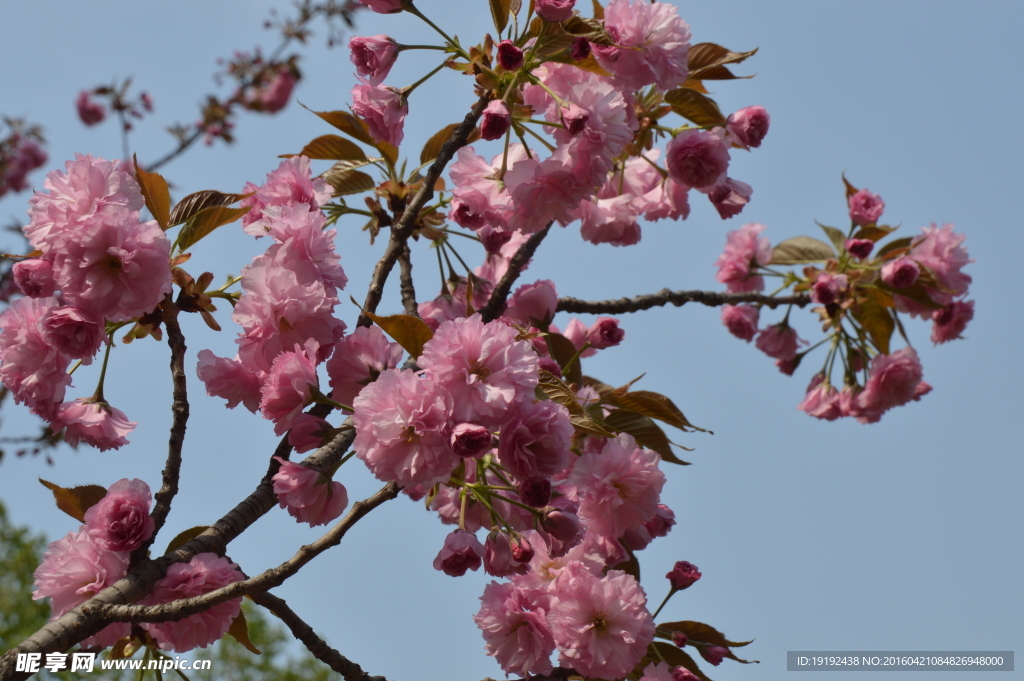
x=401 y=230
x=408 y=290
x=677 y=298
x=349 y=670
x=496 y=302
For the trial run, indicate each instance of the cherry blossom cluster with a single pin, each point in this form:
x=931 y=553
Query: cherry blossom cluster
x=20 y=154
x=861 y=293
x=83 y=563
x=97 y=264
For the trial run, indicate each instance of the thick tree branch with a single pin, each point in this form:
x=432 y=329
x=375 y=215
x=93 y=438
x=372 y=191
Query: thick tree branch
x=677 y=298
x=496 y=303
x=408 y=290
x=349 y=670
x=401 y=230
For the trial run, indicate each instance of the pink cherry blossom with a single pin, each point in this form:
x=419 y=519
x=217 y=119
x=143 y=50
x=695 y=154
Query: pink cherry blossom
x=510 y=57
x=697 y=158
x=515 y=629
x=384 y=6
x=373 y=56
x=34 y=277
x=860 y=248
x=609 y=221
x=779 y=341
x=555 y=10
x=605 y=333
x=601 y=625
x=865 y=207
x=32 y=368
x=383 y=109
x=729 y=197
x=402 y=429
x=308 y=432
x=668 y=199
x=25 y=157
x=89 y=112
x=828 y=288
x=822 y=400
x=533 y=302
x=574 y=118
x=204 y=573
x=535 y=440
x=741 y=320
x=893 y=380
x=949 y=322
x=535 y=492
x=651 y=44
x=274 y=95
x=357 y=361
x=462 y=551
x=120 y=520
x=96 y=423
x=289 y=386
x=748 y=126
x=901 y=272
x=291 y=183
x=471 y=441
x=495 y=120
x=940 y=250
x=308 y=495
x=744 y=249
x=230 y=379
x=74 y=333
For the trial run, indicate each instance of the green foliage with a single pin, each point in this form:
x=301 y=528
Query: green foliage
x=20 y=554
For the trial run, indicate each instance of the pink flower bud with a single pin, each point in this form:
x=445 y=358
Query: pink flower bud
x=562 y=524
x=555 y=10
x=741 y=320
x=662 y=522
x=495 y=121
x=535 y=492
x=462 y=551
x=828 y=287
x=373 y=56
x=901 y=272
x=729 y=197
x=470 y=441
x=860 y=248
x=384 y=6
x=34 y=277
x=580 y=49
x=521 y=550
x=574 y=118
x=949 y=322
x=605 y=333
x=683 y=674
x=679 y=639
x=510 y=57
x=498 y=561
x=865 y=207
x=89 y=111
x=551 y=366
x=779 y=341
x=788 y=366
x=683 y=575
x=713 y=654
x=747 y=127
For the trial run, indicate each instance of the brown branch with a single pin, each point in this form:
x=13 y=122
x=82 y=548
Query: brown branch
x=401 y=230
x=183 y=144
x=407 y=288
x=496 y=303
x=677 y=298
x=349 y=670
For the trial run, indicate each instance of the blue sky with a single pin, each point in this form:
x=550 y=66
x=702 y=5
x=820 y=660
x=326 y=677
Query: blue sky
x=903 y=535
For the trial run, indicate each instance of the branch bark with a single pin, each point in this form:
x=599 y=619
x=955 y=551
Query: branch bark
x=677 y=298
x=408 y=289
x=499 y=294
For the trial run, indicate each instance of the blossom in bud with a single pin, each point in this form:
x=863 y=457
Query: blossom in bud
x=510 y=57
x=661 y=524
x=533 y=304
x=384 y=6
x=779 y=341
x=822 y=401
x=495 y=121
x=120 y=520
x=89 y=111
x=561 y=522
x=949 y=322
x=683 y=674
x=729 y=197
x=605 y=333
x=697 y=158
x=683 y=575
x=308 y=495
x=462 y=551
x=34 y=277
x=97 y=423
x=741 y=320
x=860 y=248
x=373 y=56
x=522 y=550
x=747 y=127
x=383 y=109
x=901 y=272
x=498 y=560
x=535 y=492
x=713 y=654
x=679 y=638
x=471 y=441
x=274 y=96
x=828 y=287
x=580 y=49
x=865 y=207
x=788 y=366
x=554 y=10
x=574 y=118
x=307 y=432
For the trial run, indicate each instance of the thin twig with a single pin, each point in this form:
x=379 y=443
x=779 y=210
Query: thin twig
x=177 y=151
x=407 y=288
x=677 y=298
x=349 y=670
x=496 y=303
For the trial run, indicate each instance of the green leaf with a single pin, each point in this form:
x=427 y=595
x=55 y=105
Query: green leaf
x=408 y=331
x=677 y=657
x=894 y=248
x=706 y=61
x=195 y=202
x=563 y=351
x=499 y=12
x=205 y=221
x=239 y=630
x=154 y=190
x=76 y=500
x=644 y=430
x=836 y=236
x=185 y=537
x=349 y=182
x=876 y=320
x=656 y=406
x=330 y=148
x=696 y=107
x=874 y=232
x=801 y=249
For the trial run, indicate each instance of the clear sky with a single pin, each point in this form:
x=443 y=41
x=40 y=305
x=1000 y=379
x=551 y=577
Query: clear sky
x=903 y=535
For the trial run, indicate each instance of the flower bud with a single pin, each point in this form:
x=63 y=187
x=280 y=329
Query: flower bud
x=683 y=575
x=34 y=277
x=827 y=288
x=535 y=492
x=574 y=118
x=901 y=272
x=679 y=639
x=683 y=674
x=497 y=555
x=470 y=441
x=865 y=207
x=713 y=654
x=522 y=552
x=510 y=57
x=860 y=248
x=554 y=10
x=605 y=333
x=373 y=56
x=462 y=551
x=495 y=121
x=580 y=49
x=747 y=127
x=562 y=524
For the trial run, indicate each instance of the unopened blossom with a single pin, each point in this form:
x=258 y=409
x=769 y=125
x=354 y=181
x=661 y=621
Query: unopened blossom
x=729 y=197
x=308 y=432
x=358 y=360
x=471 y=441
x=828 y=287
x=744 y=249
x=308 y=495
x=893 y=380
x=560 y=526
x=574 y=118
x=865 y=207
x=230 y=379
x=748 y=126
x=73 y=332
x=204 y=573
x=373 y=56
x=461 y=552
x=601 y=625
x=779 y=341
x=96 y=423
x=89 y=112
x=741 y=320
x=74 y=569
x=495 y=120
x=651 y=44
x=822 y=401
x=291 y=183
x=535 y=440
x=580 y=48
x=697 y=158
x=384 y=6
x=274 y=96
x=34 y=277
x=288 y=387
x=535 y=492
x=949 y=322
x=713 y=654
x=860 y=248
x=683 y=575
x=554 y=10
x=402 y=432
x=683 y=674
x=31 y=367
x=532 y=303
x=515 y=629
x=510 y=57
x=605 y=333
x=901 y=272
x=383 y=109
x=120 y=521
